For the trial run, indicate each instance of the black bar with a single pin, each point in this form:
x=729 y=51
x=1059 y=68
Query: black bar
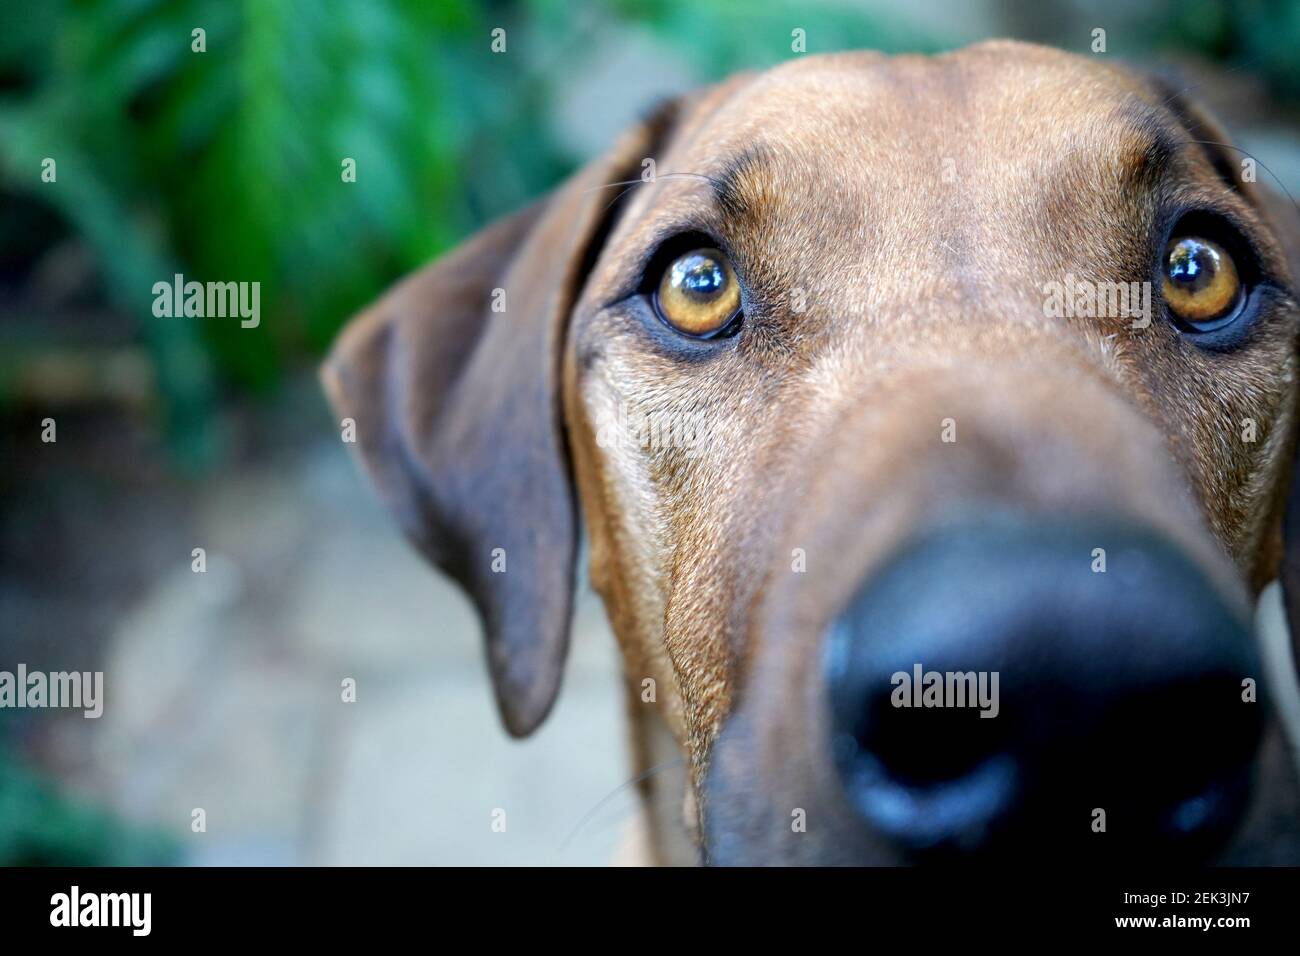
x=213 y=906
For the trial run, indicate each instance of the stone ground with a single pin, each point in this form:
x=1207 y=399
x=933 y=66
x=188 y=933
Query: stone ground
x=223 y=692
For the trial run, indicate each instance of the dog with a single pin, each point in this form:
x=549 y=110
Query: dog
x=931 y=455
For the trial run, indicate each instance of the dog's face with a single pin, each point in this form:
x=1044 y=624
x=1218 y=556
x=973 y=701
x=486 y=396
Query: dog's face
x=848 y=392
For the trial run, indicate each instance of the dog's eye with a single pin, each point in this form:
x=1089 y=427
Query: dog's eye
x=1201 y=284
x=699 y=294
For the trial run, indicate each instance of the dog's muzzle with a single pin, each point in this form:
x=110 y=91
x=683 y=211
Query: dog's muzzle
x=1007 y=682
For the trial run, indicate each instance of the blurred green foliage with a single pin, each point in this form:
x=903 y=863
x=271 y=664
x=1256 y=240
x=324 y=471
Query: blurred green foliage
x=226 y=164
x=1259 y=35
x=38 y=827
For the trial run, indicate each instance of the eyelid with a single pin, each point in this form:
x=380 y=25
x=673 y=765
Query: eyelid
x=666 y=245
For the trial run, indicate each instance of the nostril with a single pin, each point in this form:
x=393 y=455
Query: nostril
x=1191 y=726
x=1180 y=755
x=927 y=746
x=958 y=811
x=930 y=776
x=1171 y=761
x=1124 y=695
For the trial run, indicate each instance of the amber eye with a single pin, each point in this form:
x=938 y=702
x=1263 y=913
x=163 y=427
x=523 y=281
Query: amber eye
x=699 y=294
x=1201 y=284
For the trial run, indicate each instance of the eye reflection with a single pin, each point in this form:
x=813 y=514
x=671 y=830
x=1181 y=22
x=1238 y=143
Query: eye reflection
x=1200 y=282
x=699 y=294
x=700 y=276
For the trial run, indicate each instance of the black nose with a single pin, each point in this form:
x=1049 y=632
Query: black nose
x=993 y=689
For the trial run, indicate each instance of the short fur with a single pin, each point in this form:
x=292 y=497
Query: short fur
x=913 y=208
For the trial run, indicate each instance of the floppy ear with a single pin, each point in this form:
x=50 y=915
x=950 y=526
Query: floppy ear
x=453 y=381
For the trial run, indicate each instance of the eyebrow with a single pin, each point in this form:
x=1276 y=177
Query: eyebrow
x=1165 y=139
x=733 y=184
x=1155 y=146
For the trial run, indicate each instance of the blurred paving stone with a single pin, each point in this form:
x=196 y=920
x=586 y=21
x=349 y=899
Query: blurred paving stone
x=268 y=849
x=423 y=759
x=366 y=602
x=425 y=763
x=160 y=647
x=258 y=515
x=242 y=739
x=223 y=692
x=623 y=79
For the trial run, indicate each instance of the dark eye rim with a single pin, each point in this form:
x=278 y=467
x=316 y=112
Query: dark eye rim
x=1230 y=329
x=668 y=252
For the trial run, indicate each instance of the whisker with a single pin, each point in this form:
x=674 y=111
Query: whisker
x=1179 y=94
x=707 y=179
x=621 y=182
x=1258 y=162
x=644 y=775
x=632 y=183
x=628 y=189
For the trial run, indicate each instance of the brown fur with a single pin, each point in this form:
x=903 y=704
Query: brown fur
x=922 y=300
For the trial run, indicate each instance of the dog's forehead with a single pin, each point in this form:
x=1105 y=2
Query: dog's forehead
x=978 y=115
x=841 y=167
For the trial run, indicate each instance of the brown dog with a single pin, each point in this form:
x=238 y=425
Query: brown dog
x=844 y=394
